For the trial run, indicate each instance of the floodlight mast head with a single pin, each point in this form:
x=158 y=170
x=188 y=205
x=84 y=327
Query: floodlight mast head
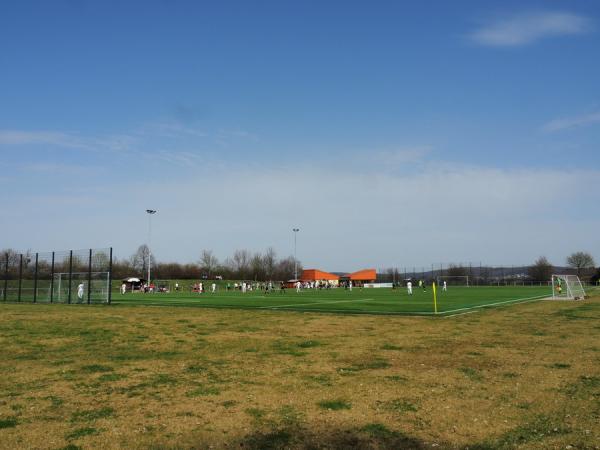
x=150 y=213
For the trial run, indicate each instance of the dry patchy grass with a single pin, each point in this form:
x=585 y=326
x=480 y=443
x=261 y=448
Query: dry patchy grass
x=119 y=377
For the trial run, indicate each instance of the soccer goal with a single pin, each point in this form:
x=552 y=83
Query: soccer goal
x=96 y=287
x=567 y=287
x=453 y=280
x=162 y=286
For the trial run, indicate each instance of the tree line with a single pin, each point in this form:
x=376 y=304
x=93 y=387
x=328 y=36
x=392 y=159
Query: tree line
x=242 y=265
x=264 y=266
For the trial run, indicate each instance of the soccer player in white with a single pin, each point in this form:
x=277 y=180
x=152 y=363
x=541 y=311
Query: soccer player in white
x=80 y=293
x=350 y=285
x=297 y=286
x=213 y=288
x=409 y=287
x=445 y=288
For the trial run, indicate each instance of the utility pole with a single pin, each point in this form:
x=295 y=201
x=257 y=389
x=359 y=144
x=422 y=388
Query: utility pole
x=295 y=230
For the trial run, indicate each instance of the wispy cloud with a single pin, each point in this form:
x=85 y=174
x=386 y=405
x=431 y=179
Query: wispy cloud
x=404 y=155
x=527 y=28
x=170 y=129
x=567 y=123
x=168 y=141
x=60 y=139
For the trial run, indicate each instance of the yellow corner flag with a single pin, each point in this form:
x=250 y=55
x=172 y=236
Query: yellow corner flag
x=434 y=298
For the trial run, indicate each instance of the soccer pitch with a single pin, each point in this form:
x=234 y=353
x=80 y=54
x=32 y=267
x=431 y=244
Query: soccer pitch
x=456 y=300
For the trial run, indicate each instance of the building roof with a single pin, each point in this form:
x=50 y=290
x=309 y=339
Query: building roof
x=315 y=274
x=363 y=275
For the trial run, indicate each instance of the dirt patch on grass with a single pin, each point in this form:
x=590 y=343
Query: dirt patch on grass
x=139 y=377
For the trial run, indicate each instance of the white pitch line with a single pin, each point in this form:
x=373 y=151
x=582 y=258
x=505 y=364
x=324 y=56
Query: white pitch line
x=460 y=314
x=314 y=303
x=522 y=300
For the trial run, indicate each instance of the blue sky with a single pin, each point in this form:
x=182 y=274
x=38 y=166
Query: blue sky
x=435 y=131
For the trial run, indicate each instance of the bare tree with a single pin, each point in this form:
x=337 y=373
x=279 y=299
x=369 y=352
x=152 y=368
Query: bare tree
x=240 y=262
x=284 y=269
x=257 y=265
x=208 y=262
x=270 y=259
x=139 y=260
x=12 y=254
x=580 y=261
x=541 y=270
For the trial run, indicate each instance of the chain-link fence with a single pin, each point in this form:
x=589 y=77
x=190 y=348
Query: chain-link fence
x=73 y=276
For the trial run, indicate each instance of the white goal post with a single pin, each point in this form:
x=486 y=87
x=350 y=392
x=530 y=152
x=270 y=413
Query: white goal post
x=567 y=287
x=98 y=289
x=454 y=280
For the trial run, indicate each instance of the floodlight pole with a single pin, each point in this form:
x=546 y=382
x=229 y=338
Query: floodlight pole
x=295 y=230
x=150 y=212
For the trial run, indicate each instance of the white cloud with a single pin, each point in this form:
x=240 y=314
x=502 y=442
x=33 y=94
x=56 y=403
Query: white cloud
x=567 y=123
x=528 y=28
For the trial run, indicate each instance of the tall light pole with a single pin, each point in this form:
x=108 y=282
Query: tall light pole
x=150 y=212
x=295 y=230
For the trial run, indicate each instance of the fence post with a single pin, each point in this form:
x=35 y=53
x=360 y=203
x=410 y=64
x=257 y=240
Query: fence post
x=110 y=277
x=52 y=280
x=5 y=277
x=20 y=276
x=70 y=273
x=89 y=277
x=35 y=278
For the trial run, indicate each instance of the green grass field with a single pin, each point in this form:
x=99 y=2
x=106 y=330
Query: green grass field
x=456 y=300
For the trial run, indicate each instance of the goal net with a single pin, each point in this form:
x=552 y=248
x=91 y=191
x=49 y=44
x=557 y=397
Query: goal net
x=162 y=286
x=567 y=287
x=453 y=280
x=66 y=289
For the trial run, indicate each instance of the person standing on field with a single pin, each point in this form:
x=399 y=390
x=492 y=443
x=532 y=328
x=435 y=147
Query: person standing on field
x=409 y=287
x=80 y=293
x=445 y=288
x=123 y=288
x=213 y=288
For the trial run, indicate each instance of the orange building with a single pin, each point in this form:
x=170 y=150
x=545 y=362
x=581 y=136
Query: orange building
x=360 y=277
x=319 y=275
x=365 y=276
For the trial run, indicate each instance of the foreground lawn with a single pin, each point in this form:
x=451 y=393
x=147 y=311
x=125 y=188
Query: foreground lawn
x=523 y=376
